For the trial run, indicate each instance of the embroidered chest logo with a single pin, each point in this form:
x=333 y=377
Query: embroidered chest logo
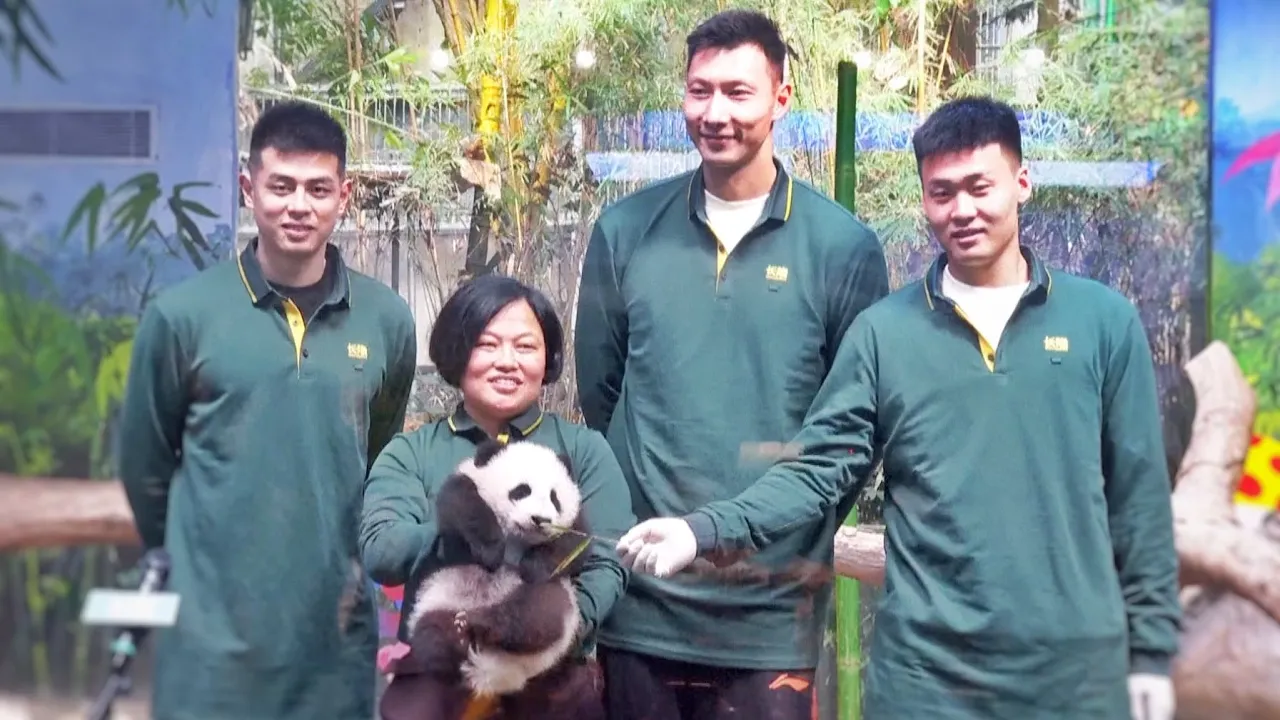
x=1055 y=344
x=357 y=351
x=776 y=273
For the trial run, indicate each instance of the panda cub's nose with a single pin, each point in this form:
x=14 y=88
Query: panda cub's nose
x=540 y=520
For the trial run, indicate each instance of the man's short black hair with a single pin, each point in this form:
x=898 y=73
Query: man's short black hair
x=296 y=126
x=469 y=311
x=732 y=28
x=968 y=123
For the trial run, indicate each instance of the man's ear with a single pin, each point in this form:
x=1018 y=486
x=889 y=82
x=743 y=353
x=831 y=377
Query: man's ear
x=344 y=194
x=1024 y=184
x=782 y=100
x=246 y=189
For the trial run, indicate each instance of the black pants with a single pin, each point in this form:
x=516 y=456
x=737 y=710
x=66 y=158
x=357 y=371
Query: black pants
x=640 y=687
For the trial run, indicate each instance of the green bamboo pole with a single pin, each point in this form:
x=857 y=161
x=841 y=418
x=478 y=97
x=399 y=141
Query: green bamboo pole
x=848 y=602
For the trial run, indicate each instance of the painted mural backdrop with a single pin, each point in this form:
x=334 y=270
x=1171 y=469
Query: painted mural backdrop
x=1245 y=291
x=117 y=179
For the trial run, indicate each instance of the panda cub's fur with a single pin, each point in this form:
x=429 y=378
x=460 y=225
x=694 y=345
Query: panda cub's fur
x=508 y=617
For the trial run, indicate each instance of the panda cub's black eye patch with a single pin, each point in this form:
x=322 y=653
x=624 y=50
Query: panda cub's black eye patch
x=555 y=501
x=520 y=492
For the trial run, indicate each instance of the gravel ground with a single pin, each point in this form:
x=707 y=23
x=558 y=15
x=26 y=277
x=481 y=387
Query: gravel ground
x=20 y=707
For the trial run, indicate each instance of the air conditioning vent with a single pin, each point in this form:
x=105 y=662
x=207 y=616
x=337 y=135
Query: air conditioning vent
x=88 y=134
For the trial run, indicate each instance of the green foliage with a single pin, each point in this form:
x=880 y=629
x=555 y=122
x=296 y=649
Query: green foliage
x=304 y=31
x=1137 y=90
x=1246 y=316
x=1134 y=91
x=631 y=39
x=62 y=376
x=22 y=34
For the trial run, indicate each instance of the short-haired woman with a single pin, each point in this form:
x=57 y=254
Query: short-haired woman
x=499 y=342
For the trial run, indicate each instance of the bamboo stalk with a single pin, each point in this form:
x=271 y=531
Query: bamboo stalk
x=848 y=599
x=922 y=73
x=458 y=35
x=946 y=49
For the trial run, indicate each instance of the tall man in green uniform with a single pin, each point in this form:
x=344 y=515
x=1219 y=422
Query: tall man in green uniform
x=1030 y=566
x=259 y=394
x=710 y=310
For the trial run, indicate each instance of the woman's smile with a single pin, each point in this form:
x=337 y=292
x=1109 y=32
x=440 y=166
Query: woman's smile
x=505 y=384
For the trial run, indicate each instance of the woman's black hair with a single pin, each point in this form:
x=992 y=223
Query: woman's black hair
x=468 y=312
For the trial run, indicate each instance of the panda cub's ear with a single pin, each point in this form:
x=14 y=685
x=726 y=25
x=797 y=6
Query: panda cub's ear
x=486 y=451
x=568 y=464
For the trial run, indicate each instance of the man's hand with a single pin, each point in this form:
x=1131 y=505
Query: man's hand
x=1151 y=697
x=660 y=547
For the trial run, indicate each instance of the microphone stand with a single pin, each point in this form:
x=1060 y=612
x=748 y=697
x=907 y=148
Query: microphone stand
x=155 y=566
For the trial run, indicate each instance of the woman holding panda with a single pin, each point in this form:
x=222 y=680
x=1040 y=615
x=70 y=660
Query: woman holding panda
x=499 y=342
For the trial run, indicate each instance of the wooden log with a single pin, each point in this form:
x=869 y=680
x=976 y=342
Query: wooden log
x=38 y=512
x=1213 y=548
x=1228 y=666
x=42 y=512
x=860 y=553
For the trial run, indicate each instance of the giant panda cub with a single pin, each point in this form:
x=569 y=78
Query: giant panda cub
x=512 y=615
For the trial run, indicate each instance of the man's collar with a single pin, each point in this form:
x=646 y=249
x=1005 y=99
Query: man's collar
x=255 y=282
x=1041 y=280
x=523 y=424
x=777 y=207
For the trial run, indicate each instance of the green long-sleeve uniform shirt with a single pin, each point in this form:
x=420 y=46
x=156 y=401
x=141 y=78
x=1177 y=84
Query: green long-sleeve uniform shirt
x=699 y=365
x=246 y=434
x=398 y=537
x=1029 y=537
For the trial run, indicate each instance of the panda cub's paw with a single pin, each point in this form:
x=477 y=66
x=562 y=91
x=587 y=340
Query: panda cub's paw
x=477 y=627
x=460 y=625
x=461 y=512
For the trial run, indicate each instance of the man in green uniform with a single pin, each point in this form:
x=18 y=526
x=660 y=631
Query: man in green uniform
x=1030 y=565
x=710 y=310
x=260 y=392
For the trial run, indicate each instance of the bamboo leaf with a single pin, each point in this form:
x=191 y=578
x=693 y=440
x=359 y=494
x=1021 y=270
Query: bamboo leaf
x=183 y=187
x=581 y=548
x=88 y=211
x=195 y=207
x=189 y=234
x=142 y=182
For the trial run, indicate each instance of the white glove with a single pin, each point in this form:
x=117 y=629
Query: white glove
x=1151 y=697
x=660 y=547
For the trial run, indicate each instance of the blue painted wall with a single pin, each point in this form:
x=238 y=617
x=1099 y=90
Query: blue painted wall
x=126 y=53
